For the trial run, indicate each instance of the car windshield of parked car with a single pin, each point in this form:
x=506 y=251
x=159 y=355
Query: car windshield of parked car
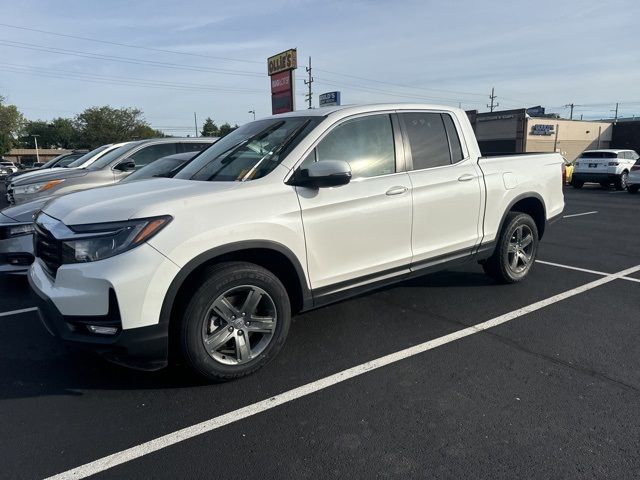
x=250 y=152
x=164 y=167
x=599 y=155
x=51 y=162
x=87 y=156
x=109 y=157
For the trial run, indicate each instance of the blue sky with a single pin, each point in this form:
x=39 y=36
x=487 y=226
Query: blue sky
x=533 y=52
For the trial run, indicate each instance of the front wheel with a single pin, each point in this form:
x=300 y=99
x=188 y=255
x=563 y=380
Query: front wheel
x=235 y=322
x=516 y=250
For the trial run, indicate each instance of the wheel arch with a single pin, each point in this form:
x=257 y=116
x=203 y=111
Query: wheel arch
x=532 y=204
x=271 y=255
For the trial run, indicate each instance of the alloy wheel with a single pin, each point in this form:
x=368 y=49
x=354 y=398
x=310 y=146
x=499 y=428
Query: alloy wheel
x=520 y=250
x=239 y=325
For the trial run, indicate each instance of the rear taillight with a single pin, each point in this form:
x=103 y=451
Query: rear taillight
x=614 y=164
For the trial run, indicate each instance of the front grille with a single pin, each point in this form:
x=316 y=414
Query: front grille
x=47 y=249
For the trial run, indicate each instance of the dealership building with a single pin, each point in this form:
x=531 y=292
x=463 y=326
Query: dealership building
x=530 y=130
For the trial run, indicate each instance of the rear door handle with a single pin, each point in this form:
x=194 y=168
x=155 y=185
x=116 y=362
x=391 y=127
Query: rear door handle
x=466 y=177
x=397 y=190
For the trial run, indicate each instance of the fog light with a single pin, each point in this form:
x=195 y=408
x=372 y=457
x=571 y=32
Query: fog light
x=102 y=330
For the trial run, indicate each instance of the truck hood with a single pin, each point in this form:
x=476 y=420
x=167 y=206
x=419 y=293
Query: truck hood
x=47 y=175
x=123 y=201
x=24 y=212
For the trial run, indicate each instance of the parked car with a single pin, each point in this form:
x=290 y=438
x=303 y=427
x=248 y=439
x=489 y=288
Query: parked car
x=109 y=168
x=5 y=172
x=60 y=161
x=604 y=167
x=567 y=171
x=12 y=166
x=633 y=181
x=16 y=223
x=83 y=161
x=268 y=222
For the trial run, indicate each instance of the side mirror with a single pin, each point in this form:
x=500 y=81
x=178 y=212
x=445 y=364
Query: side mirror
x=127 y=165
x=327 y=173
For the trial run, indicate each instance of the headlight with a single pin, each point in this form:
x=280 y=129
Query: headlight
x=36 y=187
x=9 y=231
x=104 y=240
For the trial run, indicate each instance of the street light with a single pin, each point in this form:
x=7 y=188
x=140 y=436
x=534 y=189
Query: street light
x=254 y=113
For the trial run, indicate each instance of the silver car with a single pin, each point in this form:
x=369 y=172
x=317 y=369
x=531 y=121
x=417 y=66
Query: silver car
x=16 y=223
x=108 y=169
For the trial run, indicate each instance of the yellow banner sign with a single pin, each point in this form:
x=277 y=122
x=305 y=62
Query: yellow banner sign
x=282 y=62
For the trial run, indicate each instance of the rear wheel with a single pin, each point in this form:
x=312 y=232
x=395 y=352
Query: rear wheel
x=576 y=183
x=235 y=322
x=621 y=182
x=516 y=250
x=633 y=188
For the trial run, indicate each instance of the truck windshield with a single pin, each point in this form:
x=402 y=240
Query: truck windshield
x=251 y=151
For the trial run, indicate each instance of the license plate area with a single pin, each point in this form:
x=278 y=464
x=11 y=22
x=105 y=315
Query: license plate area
x=593 y=165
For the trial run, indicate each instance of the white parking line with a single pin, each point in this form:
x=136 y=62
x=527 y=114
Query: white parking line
x=165 y=441
x=580 y=214
x=18 y=312
x=595 y=272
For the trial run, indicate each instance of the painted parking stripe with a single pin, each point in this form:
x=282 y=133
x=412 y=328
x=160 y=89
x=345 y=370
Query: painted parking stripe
x=178 y=436
x=18 y=312
x=595 y=272
x=580 y=214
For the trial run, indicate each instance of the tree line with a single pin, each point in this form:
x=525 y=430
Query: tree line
x=89 y=129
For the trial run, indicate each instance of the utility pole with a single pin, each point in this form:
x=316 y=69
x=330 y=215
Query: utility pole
x=615 y=120
x=493 y=97
x=308 y=96
x=35 y=139
x=195 y=122
x=254 y=114
x=571 y=106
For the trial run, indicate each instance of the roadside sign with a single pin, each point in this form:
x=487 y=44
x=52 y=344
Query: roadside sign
x=281 y=62
x=329 y=99
x=281 y=68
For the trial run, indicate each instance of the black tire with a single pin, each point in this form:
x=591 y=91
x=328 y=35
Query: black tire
x=498 y=266
x=577 y=183
x=621 y=181
x=219 y=279
x=633 y=188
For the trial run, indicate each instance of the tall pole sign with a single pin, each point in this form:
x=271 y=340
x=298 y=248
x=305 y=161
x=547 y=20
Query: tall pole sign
x=281 y=68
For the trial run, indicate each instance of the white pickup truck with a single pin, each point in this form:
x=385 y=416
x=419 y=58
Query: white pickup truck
x=283 y=215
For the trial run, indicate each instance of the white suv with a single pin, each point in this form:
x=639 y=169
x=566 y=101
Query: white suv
x=604 y=167
x=283 y=215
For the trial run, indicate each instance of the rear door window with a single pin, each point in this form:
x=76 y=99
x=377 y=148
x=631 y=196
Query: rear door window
x=150 y=153
x=429 y=145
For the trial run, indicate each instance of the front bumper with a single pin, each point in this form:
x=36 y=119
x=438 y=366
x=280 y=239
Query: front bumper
x=144 y=348
x=125 y=291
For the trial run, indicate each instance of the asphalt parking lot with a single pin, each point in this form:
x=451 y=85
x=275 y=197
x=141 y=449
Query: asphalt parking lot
x=544 y=384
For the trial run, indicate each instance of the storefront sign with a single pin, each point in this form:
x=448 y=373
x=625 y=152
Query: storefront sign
x=329 y=99
x=542 y=129
x=283 y=61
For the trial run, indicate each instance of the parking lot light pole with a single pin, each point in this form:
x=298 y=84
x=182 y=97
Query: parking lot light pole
x=254 y=114
x=35 y=139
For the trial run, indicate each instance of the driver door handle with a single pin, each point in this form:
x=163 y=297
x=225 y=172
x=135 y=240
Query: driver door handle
x=397 y=190
x=466 y=177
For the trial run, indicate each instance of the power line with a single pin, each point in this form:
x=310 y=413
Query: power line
x=130 y=60
x=130 y=45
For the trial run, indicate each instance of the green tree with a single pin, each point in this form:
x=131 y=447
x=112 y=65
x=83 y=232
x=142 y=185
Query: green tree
x=226 y=129
x=209 y=129
x=100 y=125
x=64 y=132
x=11 y=123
